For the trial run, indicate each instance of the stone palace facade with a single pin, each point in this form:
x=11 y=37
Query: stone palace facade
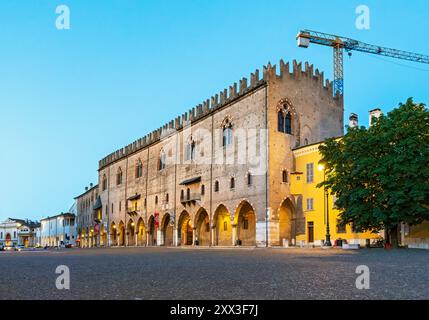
x=219 y=174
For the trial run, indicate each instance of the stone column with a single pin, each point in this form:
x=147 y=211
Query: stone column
x=234 y=233
x=175 y=237
x=135 y=238
x=213 y=238
x=147 y=238
x=194 y=235
x=158 y=237
x=109 y=239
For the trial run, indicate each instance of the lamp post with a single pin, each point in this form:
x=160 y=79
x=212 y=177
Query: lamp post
x=328 y=243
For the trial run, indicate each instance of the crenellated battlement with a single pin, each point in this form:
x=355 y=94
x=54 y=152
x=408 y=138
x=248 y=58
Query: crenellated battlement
x=224 y=97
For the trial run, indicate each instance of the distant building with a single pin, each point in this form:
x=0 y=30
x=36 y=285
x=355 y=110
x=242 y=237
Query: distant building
x=58 y=230
x=14 y=232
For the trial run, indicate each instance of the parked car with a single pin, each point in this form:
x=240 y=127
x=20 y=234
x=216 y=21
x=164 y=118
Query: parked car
x=1 y=248
x=68 y=246
x=19 y=248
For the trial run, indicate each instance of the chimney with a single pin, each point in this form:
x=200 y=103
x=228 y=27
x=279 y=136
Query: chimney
x=375 y=113
x=86 y=188
x=353 y=120
x=91 y=185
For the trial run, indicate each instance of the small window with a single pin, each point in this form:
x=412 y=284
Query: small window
x=190 y=155
x=182 y=195
x=188 y=194
x=306 y=142
x=284 y=176
x=232 y=183
x=216 y=186
x=249 y=179
x=156 y=199
x=145 y=202
x=310 y=172
x=120 y=206
x=310 y=204
x=203 y=190
x=112 y=208
x=166 y=198
x=225 y=226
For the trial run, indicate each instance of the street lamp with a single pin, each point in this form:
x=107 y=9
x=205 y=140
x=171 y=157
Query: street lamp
x=328 y=243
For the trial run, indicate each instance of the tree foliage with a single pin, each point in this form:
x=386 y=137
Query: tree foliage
x=380 y=174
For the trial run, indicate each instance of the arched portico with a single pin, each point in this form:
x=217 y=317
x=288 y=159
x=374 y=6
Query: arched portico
x=222 y=227
x=185 y=230
x=113 y=235
x=202 y=227
x=167 y=230
x=245 y=224
x=141 y=233
x=151 y=232
x=285 y=221
x=121 y=237
x=131 y=233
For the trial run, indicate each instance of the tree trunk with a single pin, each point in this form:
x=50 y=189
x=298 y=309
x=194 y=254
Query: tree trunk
x=393 y=235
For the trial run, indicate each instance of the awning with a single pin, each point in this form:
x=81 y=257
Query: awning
x=190 y=181
x=98 y=204
x=135 y=197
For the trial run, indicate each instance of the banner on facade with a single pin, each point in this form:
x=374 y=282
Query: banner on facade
x=156 y=219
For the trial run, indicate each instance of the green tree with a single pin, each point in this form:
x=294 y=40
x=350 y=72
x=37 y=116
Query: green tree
x=380 y=174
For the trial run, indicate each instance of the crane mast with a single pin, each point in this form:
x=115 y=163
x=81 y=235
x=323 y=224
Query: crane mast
x=339 y=44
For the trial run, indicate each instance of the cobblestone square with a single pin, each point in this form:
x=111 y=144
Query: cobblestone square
x=221 y=273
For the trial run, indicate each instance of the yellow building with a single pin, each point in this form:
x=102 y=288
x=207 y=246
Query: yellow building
x=303 y=184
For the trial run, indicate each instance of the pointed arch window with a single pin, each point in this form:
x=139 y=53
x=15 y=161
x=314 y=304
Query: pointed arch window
x=139 y=169
x=119 y=177
x=288 y=123
x=190 y=152
x=232 y=183
x=249 y=179
x=216 y=186
x=162 y=160
x=226 y=133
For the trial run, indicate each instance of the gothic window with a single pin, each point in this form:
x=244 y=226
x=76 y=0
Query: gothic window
x=284 y=176
x=281 y=121
x=249 y=179
x=162 y=160
x=216 y=186
x=139 y=169
x=190 y=152
x=232 y=183
x=226 y=133
x=119 y=177
x=288 y=123
x=285 y=112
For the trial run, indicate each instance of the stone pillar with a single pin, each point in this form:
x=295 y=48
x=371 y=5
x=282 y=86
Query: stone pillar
x=147 y=238
x=159 y=238
x=135 y=238
x=194 y=235
x=213 y=235
x=234 y=233
x=261 y=230
x=109 y=239
x=175 y=237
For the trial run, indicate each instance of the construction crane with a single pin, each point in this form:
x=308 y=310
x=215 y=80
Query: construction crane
x=339 y=44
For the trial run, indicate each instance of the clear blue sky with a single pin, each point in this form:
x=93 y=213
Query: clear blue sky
x=69 y=98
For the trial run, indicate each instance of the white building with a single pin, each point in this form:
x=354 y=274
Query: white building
x=14 y=232
x=58 y=230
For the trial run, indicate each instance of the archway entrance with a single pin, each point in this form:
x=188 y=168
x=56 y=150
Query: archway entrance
x=8 y=242
x=202 y=224
x=185 y=231
x=141 y=233
x=121 y=238
x=223 y=228
x=113 y=235
x=245 y=220
x=103 y=236
x=167 y=230
x=152 y=232
x=131 y=233
x=285 y=221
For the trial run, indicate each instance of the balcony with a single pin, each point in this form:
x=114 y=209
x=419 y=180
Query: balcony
x=134 y=210
x=189 y=198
